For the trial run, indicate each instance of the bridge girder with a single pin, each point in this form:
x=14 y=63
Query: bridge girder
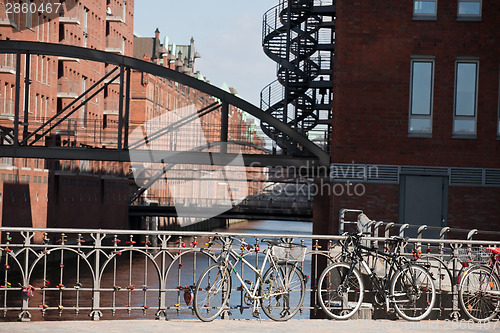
x=319 y=157
x=100 y=154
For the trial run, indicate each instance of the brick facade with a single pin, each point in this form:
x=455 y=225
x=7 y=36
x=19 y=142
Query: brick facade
x=375 y=42
x=43 y=193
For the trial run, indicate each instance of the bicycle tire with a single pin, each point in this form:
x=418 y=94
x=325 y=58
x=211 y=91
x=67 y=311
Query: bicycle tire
x=475 y=299
x=340 y=302
x=282 y=290
x=413 y=292
x=212 y=292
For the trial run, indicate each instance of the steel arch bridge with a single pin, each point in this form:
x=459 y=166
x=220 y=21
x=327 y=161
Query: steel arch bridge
x=22 y=141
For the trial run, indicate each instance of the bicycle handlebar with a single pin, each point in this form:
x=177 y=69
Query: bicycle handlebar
x=358 y=235
x=228 y=240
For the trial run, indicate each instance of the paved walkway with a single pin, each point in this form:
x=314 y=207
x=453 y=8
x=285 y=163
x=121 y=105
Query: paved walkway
x=237 y=326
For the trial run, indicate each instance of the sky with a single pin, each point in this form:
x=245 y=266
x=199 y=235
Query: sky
x=227 y=34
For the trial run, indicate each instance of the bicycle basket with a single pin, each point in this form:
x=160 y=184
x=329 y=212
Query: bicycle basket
x=473 y=254
x=289 y=252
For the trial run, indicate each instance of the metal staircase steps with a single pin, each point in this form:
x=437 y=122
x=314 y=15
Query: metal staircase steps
x=294 y=37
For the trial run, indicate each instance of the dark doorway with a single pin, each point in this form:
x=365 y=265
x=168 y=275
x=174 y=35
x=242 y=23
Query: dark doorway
x=423 y=201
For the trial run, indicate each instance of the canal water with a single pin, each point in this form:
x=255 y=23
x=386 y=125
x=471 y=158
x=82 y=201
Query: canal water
x=136 y=278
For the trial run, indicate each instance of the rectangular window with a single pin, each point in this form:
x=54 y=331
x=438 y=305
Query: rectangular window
x=41 y=69
x=466 y=81
x=36 y=107
x=424 y=9
x=421 y=97
x=83 y=111
x=40 y=117
x=85 y=25
x=29 y=16
x=43 y=29
x=469 y=10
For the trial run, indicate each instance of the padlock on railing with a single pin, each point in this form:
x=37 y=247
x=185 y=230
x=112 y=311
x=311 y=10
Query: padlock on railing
x=28 y=290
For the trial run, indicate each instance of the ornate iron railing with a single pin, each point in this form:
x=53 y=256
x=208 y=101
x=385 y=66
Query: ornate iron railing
x=121 y=273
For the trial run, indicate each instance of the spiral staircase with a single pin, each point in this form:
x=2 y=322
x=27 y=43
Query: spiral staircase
x=299 y=36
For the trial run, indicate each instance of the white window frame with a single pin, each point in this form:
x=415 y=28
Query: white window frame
x=470 y=17
x=418 y=16
x=83 y=108
x=86 y=12
x=29 y=16
x=411 y=116
x=40 y=116
x=36 y=108
x=457 y=134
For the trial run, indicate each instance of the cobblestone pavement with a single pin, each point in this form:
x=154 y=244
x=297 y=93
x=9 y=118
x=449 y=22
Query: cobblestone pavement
x=264 y=326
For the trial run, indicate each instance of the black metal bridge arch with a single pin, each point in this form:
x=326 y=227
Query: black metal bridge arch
x=23 y=141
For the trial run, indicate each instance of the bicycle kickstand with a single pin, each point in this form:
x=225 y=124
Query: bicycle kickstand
x=256 y=312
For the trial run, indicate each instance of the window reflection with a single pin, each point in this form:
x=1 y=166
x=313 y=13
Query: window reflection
x=424 y=7
x=469 y=8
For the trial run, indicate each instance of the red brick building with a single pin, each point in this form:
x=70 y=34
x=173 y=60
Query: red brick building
x=416 y=112
x=43 y=193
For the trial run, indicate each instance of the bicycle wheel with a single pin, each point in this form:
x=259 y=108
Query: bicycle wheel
x=282 y=290
x=413 y=292
x=340 y=294
x=212 y=292
x=479 y=294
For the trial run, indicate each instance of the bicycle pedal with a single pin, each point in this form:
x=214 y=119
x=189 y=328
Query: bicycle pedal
x=256 y=314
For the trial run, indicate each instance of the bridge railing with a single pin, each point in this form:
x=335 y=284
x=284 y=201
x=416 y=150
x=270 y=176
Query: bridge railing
x=279 y=203
x=62 y=273
x=349 y=220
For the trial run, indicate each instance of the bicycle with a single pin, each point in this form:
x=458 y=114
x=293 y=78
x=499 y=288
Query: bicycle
x=279 y=291
x=408 y=287
x=479 y=288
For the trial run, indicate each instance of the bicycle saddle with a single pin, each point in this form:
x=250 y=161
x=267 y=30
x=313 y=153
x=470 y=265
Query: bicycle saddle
x=397 y=239
x=494 y=250
x=271 y=241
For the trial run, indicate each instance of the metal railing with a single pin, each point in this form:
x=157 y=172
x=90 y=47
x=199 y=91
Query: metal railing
x=68 y=88
x=115 y=12
x=111 y=106
x=6 y=108
x=377 y=228
x=266 y=203
x=115 y=44
x=69 y=14
x=7 y=19
x=7 y=63
x=60 y=273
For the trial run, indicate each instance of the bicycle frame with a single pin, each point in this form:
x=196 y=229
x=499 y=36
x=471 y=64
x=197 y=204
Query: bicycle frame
x=495 y=269
x=230 y=253
x=395 y=265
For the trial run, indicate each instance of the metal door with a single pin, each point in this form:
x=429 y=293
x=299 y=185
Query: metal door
x=423 y=200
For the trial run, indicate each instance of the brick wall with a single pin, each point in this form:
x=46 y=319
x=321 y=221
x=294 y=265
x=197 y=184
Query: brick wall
x=474 y=208
x=378 y=201
x=375 y=41
x=49 y=76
